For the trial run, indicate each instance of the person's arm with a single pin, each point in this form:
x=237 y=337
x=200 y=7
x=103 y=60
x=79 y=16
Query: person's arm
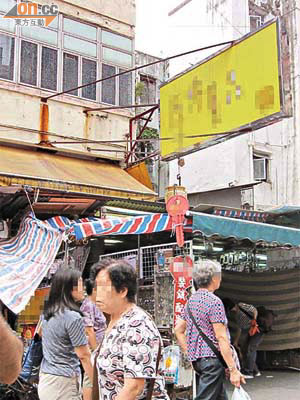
x=255 y=313
x=132 y=388
x=91 y=337
x=180 y=330
x=236 y=378
x=11 y=353
x=84 y=355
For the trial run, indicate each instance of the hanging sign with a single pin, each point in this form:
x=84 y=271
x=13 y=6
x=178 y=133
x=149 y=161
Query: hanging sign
x=181 y=269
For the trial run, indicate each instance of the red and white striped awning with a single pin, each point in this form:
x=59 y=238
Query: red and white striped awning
x=243 y=214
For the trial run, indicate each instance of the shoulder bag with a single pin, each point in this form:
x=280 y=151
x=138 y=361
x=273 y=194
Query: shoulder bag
x=254 y=328
x=212 y=345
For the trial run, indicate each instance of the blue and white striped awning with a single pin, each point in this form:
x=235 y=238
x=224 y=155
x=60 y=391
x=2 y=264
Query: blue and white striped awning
x=25 y=260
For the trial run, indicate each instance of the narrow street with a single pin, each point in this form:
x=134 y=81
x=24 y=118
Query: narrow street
x=274 y=385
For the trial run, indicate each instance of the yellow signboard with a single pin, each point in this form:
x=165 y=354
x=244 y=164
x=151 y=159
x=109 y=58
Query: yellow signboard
x=237 y=87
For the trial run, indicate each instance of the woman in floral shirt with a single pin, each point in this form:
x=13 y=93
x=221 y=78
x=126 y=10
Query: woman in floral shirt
x=129 y=351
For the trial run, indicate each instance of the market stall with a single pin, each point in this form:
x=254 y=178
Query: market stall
x=164 y=268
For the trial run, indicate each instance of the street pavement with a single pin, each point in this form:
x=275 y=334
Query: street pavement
x=273 y=385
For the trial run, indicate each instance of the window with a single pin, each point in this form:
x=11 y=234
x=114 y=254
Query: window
x=40 y=34
x=7 y=51
x=7 y=5
x=70 y=77
x=109 y=85
x=80 y=29
x=255 y=22
x=260 y=168
x=8 y=25
x=29 y=63
x=149 y=93
x=65 y=55
x=49 y=69
x=89 y=74
x=113 y=40
x=117 y=57
x=125 y=89
x=80 y=46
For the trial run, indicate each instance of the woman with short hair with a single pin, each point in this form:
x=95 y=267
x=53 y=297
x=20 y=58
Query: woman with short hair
x=64 y=340
x=209 y=315
x=128 y=355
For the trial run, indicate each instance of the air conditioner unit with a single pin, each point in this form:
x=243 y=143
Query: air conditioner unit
x=260 y=169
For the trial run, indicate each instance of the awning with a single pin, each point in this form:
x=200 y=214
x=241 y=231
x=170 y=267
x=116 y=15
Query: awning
x=91 y=226
x=25 y=260
x=224 y=227
x=278 y=291
x=51 y=171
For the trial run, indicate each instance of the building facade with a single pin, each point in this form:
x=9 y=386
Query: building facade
x=147 y=83
x=89 y=40
x=258 y=170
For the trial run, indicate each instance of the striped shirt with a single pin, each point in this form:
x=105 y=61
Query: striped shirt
x=207 y=310
x=244 y=315
x=61 y=334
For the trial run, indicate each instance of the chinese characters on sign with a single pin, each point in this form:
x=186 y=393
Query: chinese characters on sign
x=33 y=14
x=181 y=270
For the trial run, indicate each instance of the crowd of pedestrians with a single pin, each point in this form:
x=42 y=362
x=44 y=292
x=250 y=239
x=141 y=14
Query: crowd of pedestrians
x=105 y=347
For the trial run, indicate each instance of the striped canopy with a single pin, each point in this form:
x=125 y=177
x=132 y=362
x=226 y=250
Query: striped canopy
x=151 y=223
x=87 y=227
x=25 y=260
x=278 y=291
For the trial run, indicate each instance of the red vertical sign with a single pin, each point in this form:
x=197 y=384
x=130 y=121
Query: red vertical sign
x=181 y=269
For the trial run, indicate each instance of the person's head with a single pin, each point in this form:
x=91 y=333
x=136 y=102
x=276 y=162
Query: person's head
x=207 y=274
x=65 y=292
x=116 y=283
x=229 y=305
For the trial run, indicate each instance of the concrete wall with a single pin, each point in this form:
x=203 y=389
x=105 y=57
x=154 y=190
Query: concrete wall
x=227 y=198
x=20 y=104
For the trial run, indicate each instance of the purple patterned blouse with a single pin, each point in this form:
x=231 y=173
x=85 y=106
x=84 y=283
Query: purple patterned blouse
x=207 y=309
x=93 y=317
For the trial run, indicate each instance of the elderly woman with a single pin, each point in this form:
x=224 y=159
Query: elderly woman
x=127 y=361
x=209 y=314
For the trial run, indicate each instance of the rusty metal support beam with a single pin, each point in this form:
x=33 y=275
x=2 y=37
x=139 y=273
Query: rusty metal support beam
x=139 y=116
x=119 y=107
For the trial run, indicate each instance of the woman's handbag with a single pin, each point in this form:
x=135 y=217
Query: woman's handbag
x=212 y=345
x=152 y=380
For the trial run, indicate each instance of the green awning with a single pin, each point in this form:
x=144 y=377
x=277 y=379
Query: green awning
x=210 y=225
